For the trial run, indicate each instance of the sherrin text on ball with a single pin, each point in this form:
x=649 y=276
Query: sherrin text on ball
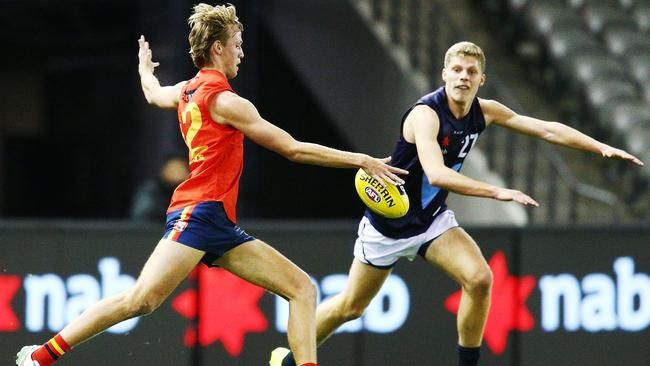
x=385 y=199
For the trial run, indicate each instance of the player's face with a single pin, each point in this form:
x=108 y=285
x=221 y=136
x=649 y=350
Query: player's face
x=233 y=54
x=463 y=76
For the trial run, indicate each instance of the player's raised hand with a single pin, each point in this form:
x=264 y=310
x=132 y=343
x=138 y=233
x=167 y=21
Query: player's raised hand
x=504 y=194
x=144 y=55
x=614 y=153
x=380 y=170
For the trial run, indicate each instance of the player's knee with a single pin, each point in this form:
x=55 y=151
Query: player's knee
x=348 y=308
x=139 y=304
x=305 y=290
x=480 y=283
x=146 y=305
x=352 y=311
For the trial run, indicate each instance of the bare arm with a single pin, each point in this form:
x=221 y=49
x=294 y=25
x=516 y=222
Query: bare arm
x=421 y=127
x=553 y=132
x=228 y=108
x=165 y=97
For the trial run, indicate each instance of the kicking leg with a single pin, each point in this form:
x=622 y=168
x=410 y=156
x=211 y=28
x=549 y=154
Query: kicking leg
x=364 y=282
x=260 y=264
x=167 y=266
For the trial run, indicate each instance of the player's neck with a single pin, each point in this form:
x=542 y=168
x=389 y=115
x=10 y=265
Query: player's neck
x=215 y=65
x=214 y=68
x=459 y=110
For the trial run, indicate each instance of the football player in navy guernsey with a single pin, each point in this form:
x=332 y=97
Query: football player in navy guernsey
x=437 y=133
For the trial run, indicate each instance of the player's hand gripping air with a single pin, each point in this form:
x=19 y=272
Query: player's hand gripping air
x=505 y=194
x=380 y=170
x=614 y=153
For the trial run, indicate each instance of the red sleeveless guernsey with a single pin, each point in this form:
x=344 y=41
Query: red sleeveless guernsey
x=215 y=151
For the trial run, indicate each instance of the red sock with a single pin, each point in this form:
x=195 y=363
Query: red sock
x=51 y=351
x=309 y=364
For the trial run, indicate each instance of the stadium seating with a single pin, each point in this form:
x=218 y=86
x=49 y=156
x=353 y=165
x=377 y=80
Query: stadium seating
x=646 y=92
x=589 y=66
x=639 y=66
x=547 y=18
x=642 y=17
x=620 y=42
x=563 y=43
x=599 y=49
x=628 y=116
x=580 y=4
x=600 y=17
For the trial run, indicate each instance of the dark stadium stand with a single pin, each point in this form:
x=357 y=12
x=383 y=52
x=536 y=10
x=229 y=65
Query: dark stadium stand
x=601 y=50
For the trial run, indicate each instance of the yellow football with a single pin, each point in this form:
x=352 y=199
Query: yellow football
x=387 y=200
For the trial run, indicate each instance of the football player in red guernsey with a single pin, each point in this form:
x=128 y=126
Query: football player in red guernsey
x=201 y=219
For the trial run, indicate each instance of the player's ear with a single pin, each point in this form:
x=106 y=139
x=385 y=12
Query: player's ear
x=217 y=47
x=483 y=79
x=444 y=74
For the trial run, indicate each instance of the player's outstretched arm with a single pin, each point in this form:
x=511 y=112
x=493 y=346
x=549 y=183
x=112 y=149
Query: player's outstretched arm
x=421 y=127
x=553 y=132
x=165 y=97
x=228 y=108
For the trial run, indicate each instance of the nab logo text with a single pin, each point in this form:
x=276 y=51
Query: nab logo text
x=386 y=313
x=50 y=297
x=598 y=302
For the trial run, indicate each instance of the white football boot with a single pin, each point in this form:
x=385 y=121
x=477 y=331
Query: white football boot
x=278 y=355
x=24 y=357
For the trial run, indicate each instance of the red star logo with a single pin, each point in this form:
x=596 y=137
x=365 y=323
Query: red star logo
x=508 y=310
x=445 y=141
x=228 y=308
x=9 y=285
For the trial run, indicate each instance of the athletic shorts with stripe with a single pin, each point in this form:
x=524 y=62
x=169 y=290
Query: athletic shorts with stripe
x=205 y=227
x=377 y=250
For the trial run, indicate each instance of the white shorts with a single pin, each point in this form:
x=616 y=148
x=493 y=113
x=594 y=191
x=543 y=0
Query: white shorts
x=377 y=250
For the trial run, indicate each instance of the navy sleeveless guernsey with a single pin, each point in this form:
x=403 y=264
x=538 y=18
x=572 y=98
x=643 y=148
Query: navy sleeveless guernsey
x=456 y=138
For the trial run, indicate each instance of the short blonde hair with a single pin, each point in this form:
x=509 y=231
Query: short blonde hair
x=466 y=49
x=210 y=24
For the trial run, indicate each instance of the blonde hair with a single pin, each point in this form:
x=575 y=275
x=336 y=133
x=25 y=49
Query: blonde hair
x=465 y=49
x=210 y=24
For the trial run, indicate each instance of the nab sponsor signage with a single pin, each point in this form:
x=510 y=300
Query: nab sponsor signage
x=544 y=297
x=51 y=301
x=386 y=313
x=592 y=302
x=598 y=302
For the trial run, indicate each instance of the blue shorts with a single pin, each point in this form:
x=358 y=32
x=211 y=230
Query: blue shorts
x=205 y=227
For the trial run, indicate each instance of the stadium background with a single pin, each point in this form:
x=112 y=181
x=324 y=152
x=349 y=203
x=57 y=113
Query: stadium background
x=76 y=138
